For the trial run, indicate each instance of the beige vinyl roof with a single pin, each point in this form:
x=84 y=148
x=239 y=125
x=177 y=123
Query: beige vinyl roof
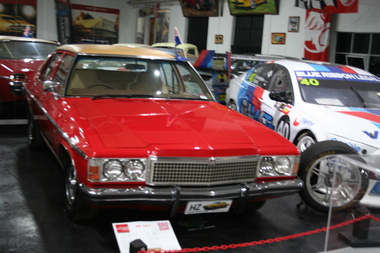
x=115 y=50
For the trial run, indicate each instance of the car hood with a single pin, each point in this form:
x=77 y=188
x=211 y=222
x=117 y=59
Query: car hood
x=357 y=124
x=20 y=66
x=194 y=125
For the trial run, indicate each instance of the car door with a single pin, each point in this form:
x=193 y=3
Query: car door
x=275 y=113
x=57 y=72
x=251 y=104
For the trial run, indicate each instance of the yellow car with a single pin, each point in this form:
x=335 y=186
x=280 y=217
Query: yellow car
x=186 y=47
x=216 y=205
x=248 y=3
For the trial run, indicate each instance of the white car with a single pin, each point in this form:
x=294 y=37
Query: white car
x=324 y=109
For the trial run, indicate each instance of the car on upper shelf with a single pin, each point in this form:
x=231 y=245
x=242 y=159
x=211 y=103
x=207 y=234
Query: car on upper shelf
x=19 y=60
x=138 y=128
x=325 y=109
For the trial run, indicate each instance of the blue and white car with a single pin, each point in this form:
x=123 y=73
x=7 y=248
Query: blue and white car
x=325 y=110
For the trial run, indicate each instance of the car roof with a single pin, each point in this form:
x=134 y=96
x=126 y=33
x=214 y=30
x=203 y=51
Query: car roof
x=15 y=38
x=307 y=65
x=172 y=44
x=96 y=49
x=260 y=57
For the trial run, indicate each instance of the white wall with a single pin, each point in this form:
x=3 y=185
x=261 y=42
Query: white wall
x=279 y=24
x=366 y=20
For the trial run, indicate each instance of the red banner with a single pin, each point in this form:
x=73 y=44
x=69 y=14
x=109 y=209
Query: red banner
x=317 y=32
x=329 y=6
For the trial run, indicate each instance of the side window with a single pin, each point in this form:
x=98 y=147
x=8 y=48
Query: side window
x=63 y=69
x=45 y=75
x=280 y=82
x=169 y=78
x=263 y=76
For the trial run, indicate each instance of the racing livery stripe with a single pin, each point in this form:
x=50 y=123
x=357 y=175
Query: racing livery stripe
x=364 y=115
x=205 y=59
x=348 y=70
x=319 y=67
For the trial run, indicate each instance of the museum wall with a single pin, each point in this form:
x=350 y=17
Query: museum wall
x=363 y=21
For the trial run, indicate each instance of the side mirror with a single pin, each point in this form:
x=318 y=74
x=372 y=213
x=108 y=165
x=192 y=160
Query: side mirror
x=51 y=86
x=281 y=96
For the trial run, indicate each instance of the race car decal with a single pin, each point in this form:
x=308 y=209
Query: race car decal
x=284 y=108
x=371 y=115
x=315 y=71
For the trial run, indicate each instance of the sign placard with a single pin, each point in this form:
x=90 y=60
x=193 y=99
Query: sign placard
x=155 y=235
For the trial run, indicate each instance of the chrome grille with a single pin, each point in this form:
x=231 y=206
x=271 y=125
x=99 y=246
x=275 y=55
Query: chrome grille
x=202 y=171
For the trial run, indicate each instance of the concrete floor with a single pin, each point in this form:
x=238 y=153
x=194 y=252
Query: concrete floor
x=33 y=219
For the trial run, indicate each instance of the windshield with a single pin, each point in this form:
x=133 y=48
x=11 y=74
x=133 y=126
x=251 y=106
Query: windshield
x=341 y=92
x=18 y=50
x=135 y=77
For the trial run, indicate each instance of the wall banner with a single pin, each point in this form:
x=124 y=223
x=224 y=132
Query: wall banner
x=329 y=6
x=63 y=15
x=317 y=33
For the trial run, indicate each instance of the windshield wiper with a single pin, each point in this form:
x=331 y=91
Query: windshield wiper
x=104 y=96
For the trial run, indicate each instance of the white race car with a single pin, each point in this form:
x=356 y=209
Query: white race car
x=325 y=110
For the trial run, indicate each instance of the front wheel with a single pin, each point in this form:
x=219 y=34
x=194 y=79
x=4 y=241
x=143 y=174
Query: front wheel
x=331 y=179
x=304 y=141
x=35 y=140
x=77 y=210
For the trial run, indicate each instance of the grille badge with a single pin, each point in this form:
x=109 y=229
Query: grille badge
x=212 y=161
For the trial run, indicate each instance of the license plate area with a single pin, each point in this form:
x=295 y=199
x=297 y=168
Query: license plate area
x=213 y=206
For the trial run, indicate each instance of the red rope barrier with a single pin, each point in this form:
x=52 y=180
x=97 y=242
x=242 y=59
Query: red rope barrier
x=261 y=242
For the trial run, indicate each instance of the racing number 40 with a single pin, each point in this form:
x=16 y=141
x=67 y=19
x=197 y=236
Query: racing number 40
x=311 y=81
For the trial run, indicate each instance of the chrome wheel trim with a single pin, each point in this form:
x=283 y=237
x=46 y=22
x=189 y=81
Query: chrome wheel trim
x=305 y=142
x=342 y=190
x=71 y=185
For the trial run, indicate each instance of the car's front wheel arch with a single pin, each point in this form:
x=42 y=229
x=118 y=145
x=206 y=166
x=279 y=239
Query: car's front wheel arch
x=76 y=208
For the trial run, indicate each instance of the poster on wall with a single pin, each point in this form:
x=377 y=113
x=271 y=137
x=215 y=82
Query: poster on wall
x=94 y=25
x=328 y=6
x=63 y=15
x=18 y=18
x=253 y=7
x=196 y=8
x=317 y=36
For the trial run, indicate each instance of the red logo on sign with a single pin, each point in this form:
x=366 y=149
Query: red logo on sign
x=122 y=228
x=163 y=226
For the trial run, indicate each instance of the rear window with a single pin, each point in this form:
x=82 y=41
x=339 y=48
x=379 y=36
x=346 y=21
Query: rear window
x=18 y=50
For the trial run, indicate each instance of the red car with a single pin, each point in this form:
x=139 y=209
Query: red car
x=19 y=59
x=138 y=128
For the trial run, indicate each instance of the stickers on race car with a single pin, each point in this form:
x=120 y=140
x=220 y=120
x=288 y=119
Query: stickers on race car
x=311 y=72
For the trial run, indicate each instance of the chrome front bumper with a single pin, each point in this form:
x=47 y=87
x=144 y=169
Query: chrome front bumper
x=172 y=196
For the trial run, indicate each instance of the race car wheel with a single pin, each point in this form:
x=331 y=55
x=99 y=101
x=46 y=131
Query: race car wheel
x=253 y=4
x=77 y=210
x=35 y=140
x=304 y=141
x=343 y=189
x=232 y=105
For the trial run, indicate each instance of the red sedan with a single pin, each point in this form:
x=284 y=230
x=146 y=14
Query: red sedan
x=138 y=128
